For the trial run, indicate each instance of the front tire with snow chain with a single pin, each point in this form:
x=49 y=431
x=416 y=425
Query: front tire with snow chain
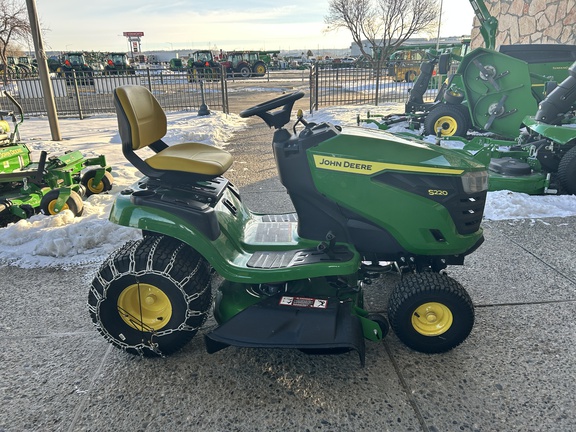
x=151 y=296
x=430 y=312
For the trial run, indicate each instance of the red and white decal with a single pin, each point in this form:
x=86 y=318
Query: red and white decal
x=305 y=302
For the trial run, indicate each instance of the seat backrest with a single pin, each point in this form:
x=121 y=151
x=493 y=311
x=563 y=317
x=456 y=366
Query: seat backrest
x=141 y=119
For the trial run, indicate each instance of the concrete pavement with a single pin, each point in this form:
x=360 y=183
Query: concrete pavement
x=516 y=371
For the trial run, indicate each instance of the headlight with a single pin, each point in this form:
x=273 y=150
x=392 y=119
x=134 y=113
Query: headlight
x=475 y=181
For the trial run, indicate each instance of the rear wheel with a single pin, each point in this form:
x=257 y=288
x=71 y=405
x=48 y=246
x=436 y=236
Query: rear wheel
x=446 y=120
x=73 y=203
x=430 y=312
x=567 y=172
x=260 y=69
x=151 y=296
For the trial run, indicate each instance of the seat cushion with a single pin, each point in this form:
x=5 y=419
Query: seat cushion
x=192 y=158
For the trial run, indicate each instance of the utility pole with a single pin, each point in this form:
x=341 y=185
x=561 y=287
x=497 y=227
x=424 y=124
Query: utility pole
x=43 y=71
x=439 y=25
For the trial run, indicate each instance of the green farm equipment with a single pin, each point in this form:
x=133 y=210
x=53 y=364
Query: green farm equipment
x=244 y=64
x=177 y=65
x=542 y=159
x=366 y=203
x=51 y=185
x=491 y=91
x=202 y=65
x=117 y=63
x=74 y=64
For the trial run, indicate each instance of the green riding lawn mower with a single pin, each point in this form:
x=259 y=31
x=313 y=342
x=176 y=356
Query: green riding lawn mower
x=51 y=185
x=366 y=203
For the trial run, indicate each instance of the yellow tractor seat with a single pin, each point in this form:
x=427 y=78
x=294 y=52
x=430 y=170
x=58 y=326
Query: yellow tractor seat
x=142 y=123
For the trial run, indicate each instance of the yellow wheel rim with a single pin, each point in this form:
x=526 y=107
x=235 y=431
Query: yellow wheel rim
x=95 y=189
x=260 y=69
x=432 y=319
x=52 y=208
x=447 y=125
x=144 y=307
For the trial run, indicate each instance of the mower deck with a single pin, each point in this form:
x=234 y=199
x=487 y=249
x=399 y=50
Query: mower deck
x=311 y=324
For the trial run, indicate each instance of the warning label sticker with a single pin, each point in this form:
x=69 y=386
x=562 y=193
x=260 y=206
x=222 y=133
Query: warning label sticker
x=305 y=302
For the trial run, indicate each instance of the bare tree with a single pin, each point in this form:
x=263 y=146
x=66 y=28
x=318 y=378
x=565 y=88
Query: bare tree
x=383 y=24
x=14 y=27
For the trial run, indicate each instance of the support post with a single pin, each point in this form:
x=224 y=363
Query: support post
x=43 y=71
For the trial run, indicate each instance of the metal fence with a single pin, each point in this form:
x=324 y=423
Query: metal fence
x=78 y=95
x=359 y=86
x=82 y=95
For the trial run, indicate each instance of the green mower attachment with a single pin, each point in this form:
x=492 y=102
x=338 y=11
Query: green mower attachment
x=542 y=157
x=51 y=185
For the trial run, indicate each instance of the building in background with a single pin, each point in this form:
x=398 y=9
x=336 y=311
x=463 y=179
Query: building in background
x=530 y=22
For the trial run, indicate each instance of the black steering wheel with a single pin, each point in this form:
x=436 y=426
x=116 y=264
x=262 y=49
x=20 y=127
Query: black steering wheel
x=279 y=118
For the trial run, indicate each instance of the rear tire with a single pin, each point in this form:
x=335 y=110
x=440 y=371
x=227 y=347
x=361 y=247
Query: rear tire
x=567 y=172
x=151 y=296
x=259 y=69
x=430 y=312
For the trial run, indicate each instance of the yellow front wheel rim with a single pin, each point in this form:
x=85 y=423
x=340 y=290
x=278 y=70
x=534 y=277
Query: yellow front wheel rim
x=95 y=189
x=432 y=319
x=144 y=307
x=447 y=125
x=52 y=208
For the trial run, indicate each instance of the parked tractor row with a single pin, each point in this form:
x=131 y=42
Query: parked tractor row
x=114 y=63
x=205 y=64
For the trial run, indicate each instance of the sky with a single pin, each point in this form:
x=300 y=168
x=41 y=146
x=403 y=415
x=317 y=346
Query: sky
x=225 y=24
x=66 y=241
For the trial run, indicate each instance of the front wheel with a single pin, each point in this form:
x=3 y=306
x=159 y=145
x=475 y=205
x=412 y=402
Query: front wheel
x=151 y=296
x=48 y=204
x=103 y=185
x=245 y=72
x=430 y=312
x=447 y=120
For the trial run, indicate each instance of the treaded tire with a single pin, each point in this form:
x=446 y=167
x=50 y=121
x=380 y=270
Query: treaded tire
x=451 y=119
x=259 y=69
x=416 y=291
x=104 y=186
x=567 y=172
x=179 y=276
x=453 y=97
x=245 y=71
x=74 y=203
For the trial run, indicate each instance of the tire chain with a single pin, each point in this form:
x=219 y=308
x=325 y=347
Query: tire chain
x=130 y=250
